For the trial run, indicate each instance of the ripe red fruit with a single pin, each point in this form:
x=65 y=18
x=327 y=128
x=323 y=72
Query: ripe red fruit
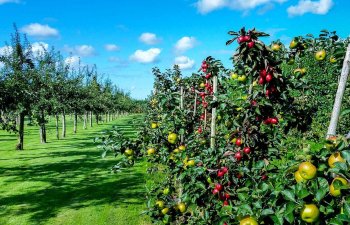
x=200 y=130
x=267 y=121
x=268 y=92
x=240 y=39
x=239 y=142
x=226 y=203
x=273 y=89
x=205 y=104
x=246 y=38
x=221 y=173
x=251 y=44
x=224 y=169
x=229 y=183
x=238 y=156
x=225 y=223
x=208 y=75
x=264 y=177
x=269 y=77
x=253 y=103
x=227 y=196
x=202 y=117
x=202 y=94
x=261 y=80
x=263 y=73
x=219 y=187
x=215 y=191
x=204 y=65
x=204 y=70
x=246 y=150
x=274 y=120
x=222 y=196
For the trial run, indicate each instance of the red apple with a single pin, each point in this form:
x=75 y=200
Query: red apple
x=238 y=156
x=246 y=150
x=219 y=187
x=251 y=44
x=269 y=77
x=263 y=73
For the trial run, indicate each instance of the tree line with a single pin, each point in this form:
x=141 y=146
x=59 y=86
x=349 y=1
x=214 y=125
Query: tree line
x=41 y=84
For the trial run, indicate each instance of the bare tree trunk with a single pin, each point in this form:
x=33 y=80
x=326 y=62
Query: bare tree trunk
x=85 y=120
x=90 y=118
x=42 y=128
x=97 y=118
x=63 y=124
x=20 y=144
x=109 y=117
x=57 y=132
x=339 y=96
x=75 y=122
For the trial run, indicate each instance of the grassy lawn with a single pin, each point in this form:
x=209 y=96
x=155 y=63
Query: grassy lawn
x=66 y=181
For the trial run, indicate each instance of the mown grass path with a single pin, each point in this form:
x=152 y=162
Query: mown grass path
x=67 y=182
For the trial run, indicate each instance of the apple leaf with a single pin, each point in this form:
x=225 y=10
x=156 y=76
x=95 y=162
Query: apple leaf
x=288 y=195
x=346 y=208
x=346 y=156
x=267 y=212
x=301 y=191
x=323 y=188
x=289 y=217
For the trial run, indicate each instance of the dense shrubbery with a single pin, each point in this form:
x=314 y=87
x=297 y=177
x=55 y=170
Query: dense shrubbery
x=245 y=172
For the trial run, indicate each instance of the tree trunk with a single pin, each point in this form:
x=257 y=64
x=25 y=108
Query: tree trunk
x=96 y=118
x=63 y=124
x=85 y=120
x=90 y=118
x=339 y=96
x=57 y=132
x=20 y=144
x=75 y=122
x=109 y=117
x=42 y=128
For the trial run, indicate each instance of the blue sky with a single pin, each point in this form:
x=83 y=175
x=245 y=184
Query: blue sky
x=125 y=39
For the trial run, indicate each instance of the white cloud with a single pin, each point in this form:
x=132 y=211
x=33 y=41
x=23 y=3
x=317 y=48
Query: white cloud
x=185 y=43
x=149 y=38
x=206 y=6
x=39 y=48
x=147 y=56
x=111 y=47
x=40 y=30
x=84 y=50
x=306 y=6
x=6 y=50
x=9 y=1
x=184 y=62
x=81 y=50
x=73 y=61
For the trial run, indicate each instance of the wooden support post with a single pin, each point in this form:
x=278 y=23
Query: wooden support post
x=339 y=96
x=182 y=107
x=213 y=114
x=195 y=105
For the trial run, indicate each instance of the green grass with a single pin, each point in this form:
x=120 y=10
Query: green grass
x=67 y=182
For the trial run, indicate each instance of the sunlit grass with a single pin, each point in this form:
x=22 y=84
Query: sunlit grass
x=66 y=181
